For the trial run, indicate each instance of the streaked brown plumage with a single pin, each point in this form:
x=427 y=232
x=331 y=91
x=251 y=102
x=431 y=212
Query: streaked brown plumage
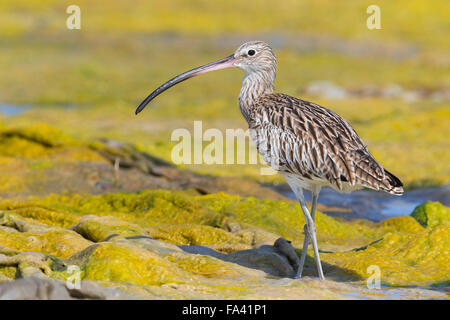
x=317 y=144
x=309 y=145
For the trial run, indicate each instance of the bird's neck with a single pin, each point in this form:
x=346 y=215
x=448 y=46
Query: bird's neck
x=254 y=85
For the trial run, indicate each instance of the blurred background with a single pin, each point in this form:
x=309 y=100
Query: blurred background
x=392 y=84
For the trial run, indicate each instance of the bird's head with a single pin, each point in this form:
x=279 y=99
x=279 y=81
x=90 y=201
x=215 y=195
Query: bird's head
x=252 y=57
x=255 y=56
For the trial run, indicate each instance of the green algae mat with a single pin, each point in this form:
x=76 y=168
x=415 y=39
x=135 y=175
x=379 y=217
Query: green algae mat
x=86 y=185
x=135 y=242
x=175 y=241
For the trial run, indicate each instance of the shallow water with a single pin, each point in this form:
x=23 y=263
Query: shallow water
x=387 y=293
x=373 y=205
x=11 y=109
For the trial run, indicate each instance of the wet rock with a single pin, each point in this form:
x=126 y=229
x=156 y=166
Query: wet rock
x=203 y=251
x=278 y=260
x=285 y=248
x=33 y=288
x=93 y=290
x=265 y=258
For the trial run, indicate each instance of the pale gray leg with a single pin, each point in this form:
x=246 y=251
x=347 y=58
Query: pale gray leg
x=312 y=232
x=309 y=224
x=315 y=196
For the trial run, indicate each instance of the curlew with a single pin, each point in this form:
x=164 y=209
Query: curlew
x=311 y=146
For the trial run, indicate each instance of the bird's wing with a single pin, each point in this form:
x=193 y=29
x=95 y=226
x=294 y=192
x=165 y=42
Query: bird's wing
x=317 y=142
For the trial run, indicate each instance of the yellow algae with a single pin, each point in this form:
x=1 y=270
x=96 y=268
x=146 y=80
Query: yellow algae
x=180 y=218
x=58 y=242
x=396 y=132
x=40 y=133
x=43 y=141
x=153 y=206
x=232 y=18
x=130 y=264
x=9 y=272
x=77 y=153
x=100 y=228
x=12 y=182
x=205 y=266
x=186 y=234
x=400 y=224
x=431 y=214
x=41 y=214
x=18 y=147
x=410 y=138
x=406 y=252
x=282 y=217
x=404 y=259
x=11 y=220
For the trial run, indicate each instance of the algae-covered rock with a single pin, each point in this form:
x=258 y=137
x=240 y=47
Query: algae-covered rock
x=42 y=215
x=55 y=241
x=400 y=224
x=40 y=133
x=8 y=219
x=123 y=262
x=284 y=218
x=211 y=246
x=432 y=214
x=169 y=235
x=403 y=258
x=191 y=234
x=191 y=220
x=99 y=229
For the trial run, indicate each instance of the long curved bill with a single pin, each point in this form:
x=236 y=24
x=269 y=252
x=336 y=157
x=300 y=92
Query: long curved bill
x=227 y=62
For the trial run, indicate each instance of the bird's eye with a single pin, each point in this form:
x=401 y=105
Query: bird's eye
x=251 y=52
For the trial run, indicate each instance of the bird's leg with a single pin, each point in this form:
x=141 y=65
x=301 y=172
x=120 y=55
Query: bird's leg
x=309 y=220
x=305 y=248
x=312 y=232
x=315 y=196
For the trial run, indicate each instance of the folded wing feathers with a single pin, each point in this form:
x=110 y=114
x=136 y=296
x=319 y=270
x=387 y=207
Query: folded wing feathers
x=317 y=143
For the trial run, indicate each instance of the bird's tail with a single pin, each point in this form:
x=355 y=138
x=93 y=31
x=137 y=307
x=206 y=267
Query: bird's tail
x=392 y=184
